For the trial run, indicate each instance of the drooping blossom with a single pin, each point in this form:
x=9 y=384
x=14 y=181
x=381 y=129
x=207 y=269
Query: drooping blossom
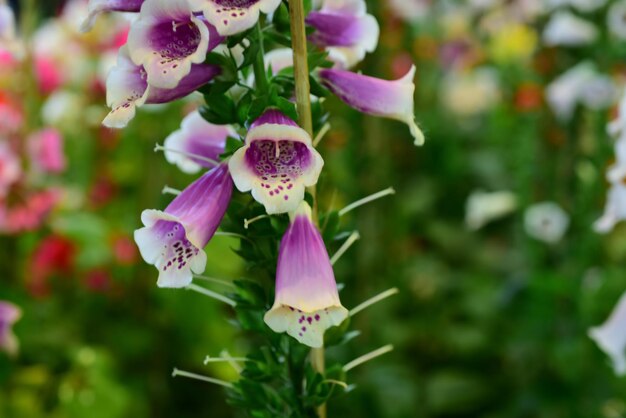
x=100 y=6
x=198 y=137
x=388 y=99
x=611 y=336
x=10 y=168
x=484 y=207
x=307 y=302
x=277 y=162
x=167 y=39
x=46 y=150
x=546 y=222
x=567 y=29
x=173 y=240
x=345 y=29
x=234 y=16
x=9 y=314
x=127 y=88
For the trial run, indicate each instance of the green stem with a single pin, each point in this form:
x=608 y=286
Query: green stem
x=258 y=65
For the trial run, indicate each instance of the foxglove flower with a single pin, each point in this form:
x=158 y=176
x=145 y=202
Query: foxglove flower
x=277 y=162
x=345 y=29
x=167 y=39
x=173 y=240
x=614 y=210
x=198 y=137
x=9 y=314
x=566 y=29
x=127 y=88
x=388 y=99
x=546 y=222
x=611 y=336
x=234 y=16
x=96 y=7
x=307 y=302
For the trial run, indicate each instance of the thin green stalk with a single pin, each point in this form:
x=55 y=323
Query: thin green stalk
x=258 y=66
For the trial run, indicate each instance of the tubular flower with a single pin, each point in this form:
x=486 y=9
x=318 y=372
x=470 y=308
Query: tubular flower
x=388 y=99
x=345 y=29
x=611 y=337
x=307 y=302
x=198 y=137
x=9 y=314
x=277 y=162
x=234 y=16
x=96 y=7
x=127 y=88
x=173 y=240
x=167 y=39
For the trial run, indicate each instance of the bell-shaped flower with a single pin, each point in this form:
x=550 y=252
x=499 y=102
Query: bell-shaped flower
x=388 y=99
x=345 y=29
x=566 y=29
x=173 y=240
x=167 y=39
x=307 y=302
x=96 y=7
x=611 y=336
x=127 y=88
x=234 y=16
x=9 y=314
x=277 y=162
x=546 y=222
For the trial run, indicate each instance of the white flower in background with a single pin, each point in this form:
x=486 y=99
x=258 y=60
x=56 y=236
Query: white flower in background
x=616 y=20
x=546 y=222
x=614 y=210
x=581 y=5
x=599 y=92
x=611 y=336
x=471 y=93
x=484 y=207
x=567 y=29
x=63 y=108
x=410 y=10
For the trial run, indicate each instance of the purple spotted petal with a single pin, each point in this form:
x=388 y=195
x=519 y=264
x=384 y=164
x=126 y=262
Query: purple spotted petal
x=334 y=29
x=99 y=6
x=389 y=99
x=307 y=301
x=234 y=16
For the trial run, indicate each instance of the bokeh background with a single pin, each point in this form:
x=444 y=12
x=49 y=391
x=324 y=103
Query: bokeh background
x=490 y=321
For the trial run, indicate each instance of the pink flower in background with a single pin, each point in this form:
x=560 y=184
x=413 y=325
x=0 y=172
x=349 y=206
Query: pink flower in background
x=48 y=75
x=46 y=150
x=29 y=213
x=11 y=115
x=9 y=314
x=307 y=302
x=10 y=168
x=124 y=250
x=97 y=280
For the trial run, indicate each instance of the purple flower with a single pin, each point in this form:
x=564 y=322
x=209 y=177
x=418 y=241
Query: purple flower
x=173 y=240
x=234 y=16
x=388 y=99
x=98 y=6
x=277 y=162
x=198 y=137
x=167 y=39
x=345 y=29
x=307 y=302
x=9 y=314
x=128 y=89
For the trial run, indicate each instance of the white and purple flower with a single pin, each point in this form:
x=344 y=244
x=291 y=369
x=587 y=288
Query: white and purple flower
x=196 y=137
x=167 y=39
x=277 y=162
x=611 y=336
x=388 y=99
x=173 y=240
x=96 y=7
x=345 y=29
x=9 y=314
x=234 y=16
x=127 y=88
x=307 y=302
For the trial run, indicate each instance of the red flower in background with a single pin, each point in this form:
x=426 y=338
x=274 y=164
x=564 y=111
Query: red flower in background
x=53 y=256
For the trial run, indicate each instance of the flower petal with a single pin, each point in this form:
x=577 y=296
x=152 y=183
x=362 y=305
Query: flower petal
x=234 y=16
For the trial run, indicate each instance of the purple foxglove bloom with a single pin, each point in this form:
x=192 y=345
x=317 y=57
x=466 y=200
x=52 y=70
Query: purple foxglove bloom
x=96 y=7
x=234 y=16
x=277 y=162
x=128 y=89
x=9 y=314
x=173 y=240
x=307 y=302
x=388 y=99
x=198 y=137
x=345 y=29
x=167 y=39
